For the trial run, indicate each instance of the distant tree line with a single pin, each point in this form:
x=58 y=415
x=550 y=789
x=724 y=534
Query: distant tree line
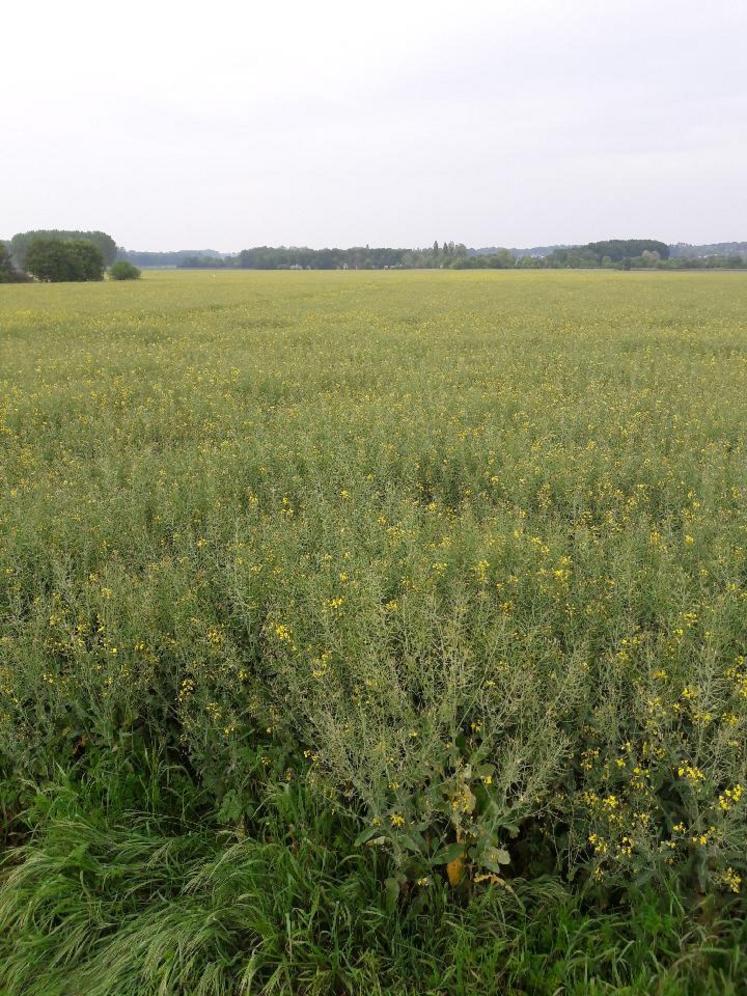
x=167 y=260
x=77 y=255
x=501 y=259
x=717 y=249
x=732 y=261
x=195 y=262
x=611 y=254
x=446 y=255
x=356 y=258
x=614 y=253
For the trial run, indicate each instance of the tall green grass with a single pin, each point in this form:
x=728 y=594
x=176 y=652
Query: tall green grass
x=145 y=894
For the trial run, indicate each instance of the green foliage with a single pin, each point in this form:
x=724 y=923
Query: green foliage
x=282 y=258
x=196 y=262
x=443 y=575
x=619 y=249
x=500 y=260
x=56 y=261
x=615 y=253
x=732 y=261
x=357 y=258
x=234 y=920
x=622 y=253
x=684 y=250
x=128 y=887
x=21 y=243
x=122 y=270
x=177 y=258
x=8 y=273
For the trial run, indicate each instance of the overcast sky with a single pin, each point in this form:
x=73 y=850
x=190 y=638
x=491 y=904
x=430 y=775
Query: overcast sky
x=225 y=125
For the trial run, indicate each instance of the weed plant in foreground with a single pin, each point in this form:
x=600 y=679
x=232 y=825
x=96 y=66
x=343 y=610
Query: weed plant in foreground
x=374 y=632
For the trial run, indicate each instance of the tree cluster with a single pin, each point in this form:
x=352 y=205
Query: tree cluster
x=55 y=261
x=612 y=253
x=21 y=243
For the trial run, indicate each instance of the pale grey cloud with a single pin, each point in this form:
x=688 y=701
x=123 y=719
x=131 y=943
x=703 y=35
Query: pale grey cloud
x=174 y=125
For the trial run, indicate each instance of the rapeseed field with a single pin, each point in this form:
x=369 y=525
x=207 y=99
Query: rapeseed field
x=374 y=632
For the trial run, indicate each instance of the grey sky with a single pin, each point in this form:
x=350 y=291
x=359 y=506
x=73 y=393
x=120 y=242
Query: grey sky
x=186 y=125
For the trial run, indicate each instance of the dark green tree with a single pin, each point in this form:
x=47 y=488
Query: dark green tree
x=56 y=261
x=20 y=243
